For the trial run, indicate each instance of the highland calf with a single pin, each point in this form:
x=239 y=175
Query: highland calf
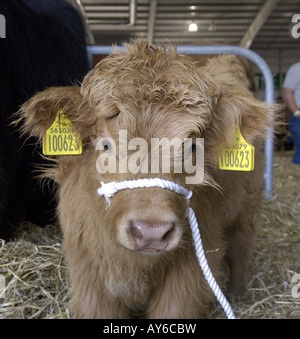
x=135 y=255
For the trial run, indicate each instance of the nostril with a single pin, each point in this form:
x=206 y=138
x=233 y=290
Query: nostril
x=168 y=234
x=151 y=235
x=134 y=231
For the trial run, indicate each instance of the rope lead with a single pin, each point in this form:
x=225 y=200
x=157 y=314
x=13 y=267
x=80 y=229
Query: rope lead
x=108 y=190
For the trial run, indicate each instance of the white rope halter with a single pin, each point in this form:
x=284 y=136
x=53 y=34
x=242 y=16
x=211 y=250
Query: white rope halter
x=108 y=190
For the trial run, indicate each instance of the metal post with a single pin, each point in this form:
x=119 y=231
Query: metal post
x=89 y=34
x=258 y=22
x=224 y=49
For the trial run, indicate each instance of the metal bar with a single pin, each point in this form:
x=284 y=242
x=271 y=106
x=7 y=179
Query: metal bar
x=131 y=17
x=89 y=35
x=132 y=12
x=114 y=28
x=151 y=22
x=258 y=22
x=244 y=52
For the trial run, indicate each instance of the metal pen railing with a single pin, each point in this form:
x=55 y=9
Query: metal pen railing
x=235 y=50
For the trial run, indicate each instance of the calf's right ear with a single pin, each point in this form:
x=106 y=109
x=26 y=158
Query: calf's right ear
x=39 y=112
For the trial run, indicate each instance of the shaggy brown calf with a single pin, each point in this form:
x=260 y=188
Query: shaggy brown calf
x=136 y=256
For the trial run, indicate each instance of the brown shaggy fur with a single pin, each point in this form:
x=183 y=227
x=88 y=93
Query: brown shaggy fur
x=151 y=91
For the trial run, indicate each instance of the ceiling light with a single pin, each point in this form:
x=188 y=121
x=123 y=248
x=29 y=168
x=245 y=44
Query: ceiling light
x=193 y=27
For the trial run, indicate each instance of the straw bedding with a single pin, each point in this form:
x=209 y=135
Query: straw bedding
x=37 y=282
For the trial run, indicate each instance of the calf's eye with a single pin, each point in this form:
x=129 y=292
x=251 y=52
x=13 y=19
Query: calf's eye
x=106 y=145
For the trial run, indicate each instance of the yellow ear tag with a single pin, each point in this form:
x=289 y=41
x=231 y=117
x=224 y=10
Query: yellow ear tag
x=60 y=139
x=239 y=156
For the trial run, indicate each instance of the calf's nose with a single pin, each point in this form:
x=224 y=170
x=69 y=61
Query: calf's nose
x=151 y=237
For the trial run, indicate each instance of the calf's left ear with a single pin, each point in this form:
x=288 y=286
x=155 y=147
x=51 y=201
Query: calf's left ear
x=39 y=112
x=238 y=109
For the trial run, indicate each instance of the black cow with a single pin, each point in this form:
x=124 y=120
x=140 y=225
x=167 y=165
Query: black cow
x=44 y=46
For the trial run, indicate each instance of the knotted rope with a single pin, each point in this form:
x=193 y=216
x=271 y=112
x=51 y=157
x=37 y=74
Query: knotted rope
x=108 y=190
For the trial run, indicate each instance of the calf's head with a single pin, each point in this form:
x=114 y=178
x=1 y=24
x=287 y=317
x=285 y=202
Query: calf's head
x=131 y=105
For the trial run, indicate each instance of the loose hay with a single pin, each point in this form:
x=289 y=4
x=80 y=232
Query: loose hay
x=277 y=248
x=35 y=274
x=37 y=282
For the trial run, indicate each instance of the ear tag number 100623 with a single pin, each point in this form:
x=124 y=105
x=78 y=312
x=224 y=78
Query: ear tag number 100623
x=239 y=156
x=60 y=139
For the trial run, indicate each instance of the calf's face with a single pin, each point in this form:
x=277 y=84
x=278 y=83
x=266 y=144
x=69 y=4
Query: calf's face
x=147 y=123
x=131 y=109
x=140 y=141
